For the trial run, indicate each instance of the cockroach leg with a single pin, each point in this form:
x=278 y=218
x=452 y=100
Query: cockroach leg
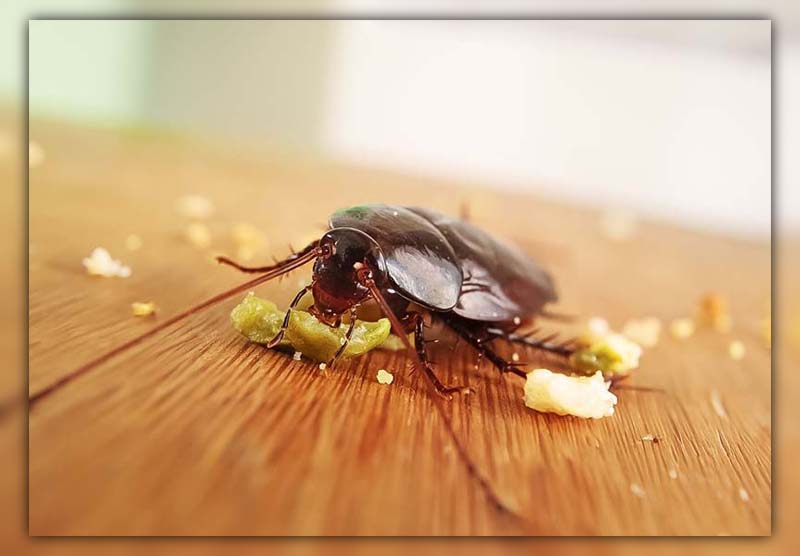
x=347 y=337
x=543 y=343
x=479 y=343
x=422 y=354
x=285 y=324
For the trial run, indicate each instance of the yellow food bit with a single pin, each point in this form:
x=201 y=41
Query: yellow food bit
x=260 y=320
x=35 y=154
x=644 y=332
x=682 y=328
x=581 y=396
x=198 y=235
x=736 y=350
x=713 y=311
x=143 y=309
x=133 y=242
x=100 y=263
x=384 y=377
x=195 y=206
x=613 y=354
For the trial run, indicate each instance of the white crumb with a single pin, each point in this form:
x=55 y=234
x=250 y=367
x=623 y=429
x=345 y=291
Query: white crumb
x=100 y=263
x=323 y=366
x=384 y=377
x=744 y=495
x=637 y=490
x=297 y=355
x=195 y=206
x=515 y=356
x=644 y=332
x=581 y=396
x=673 y=474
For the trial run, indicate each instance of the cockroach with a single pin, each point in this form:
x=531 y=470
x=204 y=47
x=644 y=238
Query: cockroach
x=479 y=286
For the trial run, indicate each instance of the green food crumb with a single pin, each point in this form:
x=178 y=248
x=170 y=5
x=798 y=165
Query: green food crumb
x=259 y=320
x=612 y=354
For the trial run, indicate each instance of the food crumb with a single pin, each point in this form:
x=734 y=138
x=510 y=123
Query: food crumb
x=637 y=490
x=673 y=474
x=198 y=235
x=596 y=327
x=384 y=377
x=736 y=350
x=133 y=242
x=35 y=154
x=100 y=263
x=651 y=438
x=644 y=332
x=618 y=225
x=323 y=366
x=682 y=328
x=297 y=356
x=195 y=206
x=713 y=310
x=515 y=356
x=517 y=321
x=581 y=396
x=143 y=309
x=716 y=403
x=743 y=494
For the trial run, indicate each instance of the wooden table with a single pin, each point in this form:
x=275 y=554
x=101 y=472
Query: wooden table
x=197 y=432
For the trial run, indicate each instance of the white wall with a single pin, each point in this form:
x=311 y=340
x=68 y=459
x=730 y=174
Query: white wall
x=597 y=116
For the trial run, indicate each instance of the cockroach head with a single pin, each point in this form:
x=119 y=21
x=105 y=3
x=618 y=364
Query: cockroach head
x=344 y=253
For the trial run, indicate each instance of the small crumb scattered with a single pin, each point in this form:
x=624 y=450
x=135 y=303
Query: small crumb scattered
x=713 y=311
x=637 y=490
x=717 y=405
x=323 y=366
x=673 y=474
x=515 y=357
x=35 y=154
x=651 y=438
x=581 y=396
x=743 y=494
x=385 y=377
x=143 y=309
x=618 y=225
x=736 y=350
x=133 y=242
x=198 y=235
x=195 y=206
x=100 y=263
x=682 y=328
x=297 y=356
x=517 y=321
x=644 y=331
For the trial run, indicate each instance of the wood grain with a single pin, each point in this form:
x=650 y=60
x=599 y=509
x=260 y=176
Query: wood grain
x=198 y=432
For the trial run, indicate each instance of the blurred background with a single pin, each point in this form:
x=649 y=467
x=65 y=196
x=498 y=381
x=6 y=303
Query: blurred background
x=668 y=119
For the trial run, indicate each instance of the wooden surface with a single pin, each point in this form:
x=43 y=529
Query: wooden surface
x=196 y=431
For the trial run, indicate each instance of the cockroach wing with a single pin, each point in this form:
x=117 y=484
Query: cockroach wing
x=500 y=281
x=419 y=260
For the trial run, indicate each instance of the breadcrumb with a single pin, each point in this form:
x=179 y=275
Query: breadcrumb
x=100 y=263
x=744 y=495
x=195 y=206
x=581 y=396
x=637 y=490
x=673 y=474
x=515 y=357
x=198 y=235
x=618 y=225
x=651 y=438
x=35 y=154
x=713 y=311
x=613 y=354
x=644 y=332
x=385 y=377
x=133 y=242
x=736 y=350
x=297 y=355
x=323 y=366
x=682 y=328
x=143 y=309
